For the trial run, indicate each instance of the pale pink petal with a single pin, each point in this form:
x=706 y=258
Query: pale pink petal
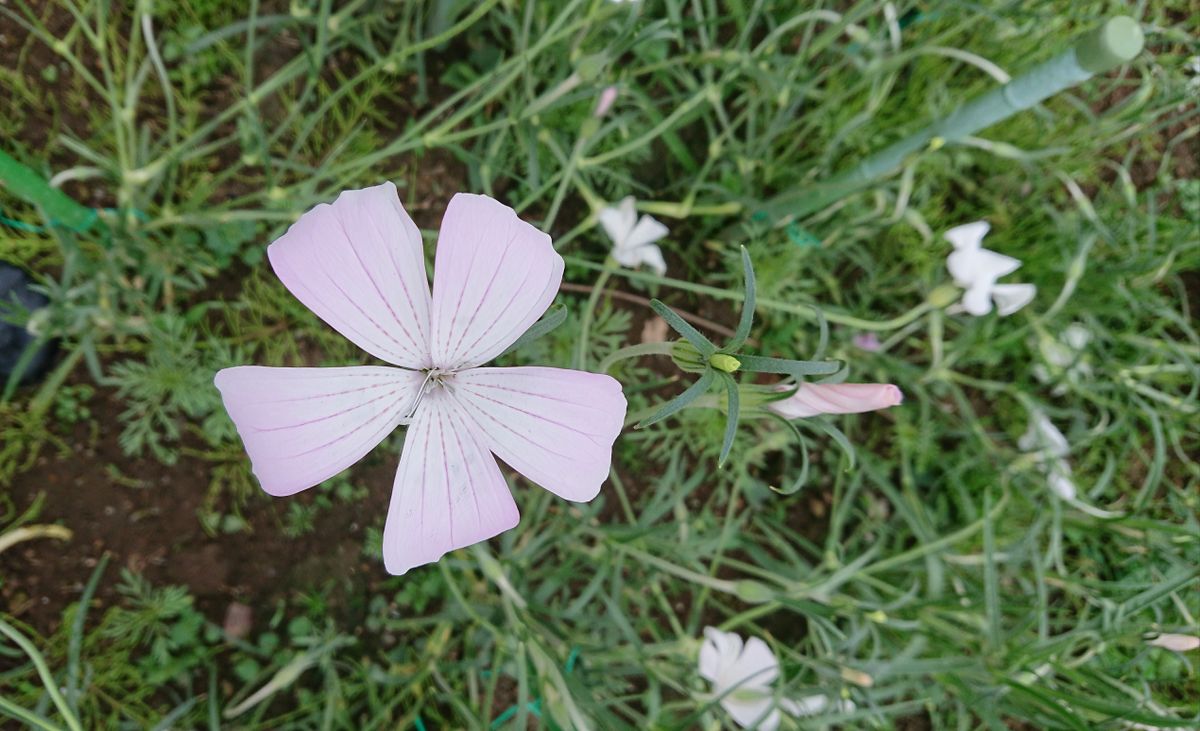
x=1012 y=297
x=449 y=492
x=494 y=276
x=967 y=236
x=358 y=263
x=302 y=426
x=554 y=426
x=837 y=398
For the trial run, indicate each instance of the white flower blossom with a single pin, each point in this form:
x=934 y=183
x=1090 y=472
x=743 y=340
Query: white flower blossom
x=1051 y=447
x=977 y=270
x=1064 y=358
x=633 y=238
x=742 y=675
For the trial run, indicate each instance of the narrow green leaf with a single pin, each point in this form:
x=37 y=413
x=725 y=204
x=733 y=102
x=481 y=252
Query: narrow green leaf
x=695 y=391
x=555 y=316
x=681 y=326
x=75 y=641
x=747 y=319
x=837 y=435
x=794 y=368
x=731 y=419
x=798 y=483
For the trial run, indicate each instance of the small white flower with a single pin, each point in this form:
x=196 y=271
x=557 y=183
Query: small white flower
x=1051 y=447
x=977 y=269
x=633 y=238
x=1064 y=356
x=742 y=676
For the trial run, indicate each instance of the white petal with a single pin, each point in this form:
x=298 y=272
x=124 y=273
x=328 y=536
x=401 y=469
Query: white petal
x=755 y=666
x=758 y=713
x=647 y=231
x=1043 y=436
x=978 y=300
x=302 y=426
x=1059 y=480
x=967 y=236
x=1077 y=336
x=618 y=221
x=448 y=493
x=969 y=268
x=494 y=276
x=553 y=425
x=1012 y=297
x=719 y=651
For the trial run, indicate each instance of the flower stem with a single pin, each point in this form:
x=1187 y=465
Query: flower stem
x=585 y=320
x=634 y=351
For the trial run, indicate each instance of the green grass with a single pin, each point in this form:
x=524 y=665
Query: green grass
x=937 y=578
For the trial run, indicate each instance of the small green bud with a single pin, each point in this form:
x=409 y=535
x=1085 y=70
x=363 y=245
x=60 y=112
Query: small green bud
x=878 y=616
x=944 y=296
x=723 y=362
x=753 y=592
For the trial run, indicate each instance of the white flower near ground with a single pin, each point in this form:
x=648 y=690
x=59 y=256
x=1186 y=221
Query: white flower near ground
x=742 y=675
x=977 y=271
x=1051 y=448
x=633 y=238
x=1065 y=358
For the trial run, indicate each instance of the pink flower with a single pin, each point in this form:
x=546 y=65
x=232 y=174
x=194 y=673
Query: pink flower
x=836 y=398
x=867 y=341
x=359 y=265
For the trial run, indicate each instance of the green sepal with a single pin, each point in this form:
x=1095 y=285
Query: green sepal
x=804 y=463
x=681 y=326
x=747 y=319
x=733 y=408
x=794 y=368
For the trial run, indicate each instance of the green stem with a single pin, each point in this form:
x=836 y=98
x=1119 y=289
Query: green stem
x=585 y=320
x=635 y=351
x=1115 y=42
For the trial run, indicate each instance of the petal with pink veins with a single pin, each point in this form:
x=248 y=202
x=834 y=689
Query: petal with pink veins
x=494 y=276
x=553 y=425
x=448 y=493
x=359 y=265
x=837 y=398
x=302 y=426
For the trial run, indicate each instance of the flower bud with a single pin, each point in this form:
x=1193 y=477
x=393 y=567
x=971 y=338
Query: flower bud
x=944 y=296
x=723 y=362
x=687 y=357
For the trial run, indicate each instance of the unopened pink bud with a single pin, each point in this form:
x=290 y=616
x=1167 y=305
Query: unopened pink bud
x=605 y=101
x=837 y=398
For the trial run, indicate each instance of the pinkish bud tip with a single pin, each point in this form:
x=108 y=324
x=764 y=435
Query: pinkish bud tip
x=605 y=101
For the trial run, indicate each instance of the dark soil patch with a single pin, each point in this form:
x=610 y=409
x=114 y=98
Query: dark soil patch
x=145 y=517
